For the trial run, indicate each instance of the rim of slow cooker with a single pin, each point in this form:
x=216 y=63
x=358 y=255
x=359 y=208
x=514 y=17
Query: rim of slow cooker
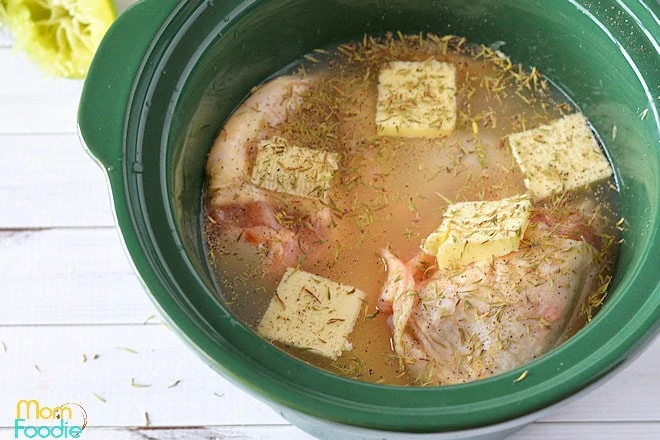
x=228 y=346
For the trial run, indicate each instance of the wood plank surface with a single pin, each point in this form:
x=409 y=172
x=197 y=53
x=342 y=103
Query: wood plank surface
x=136 y=371
x=6 y=40
x=69 y=276
x=32 y=101
x=50 y=181
x=153 y=355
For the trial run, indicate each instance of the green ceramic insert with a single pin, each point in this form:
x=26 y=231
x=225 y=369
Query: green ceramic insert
x=149 y=115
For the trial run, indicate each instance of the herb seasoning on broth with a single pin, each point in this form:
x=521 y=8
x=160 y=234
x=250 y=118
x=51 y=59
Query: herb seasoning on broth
x=411 y=210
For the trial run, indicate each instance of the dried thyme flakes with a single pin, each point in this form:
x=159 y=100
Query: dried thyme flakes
x=173 y=384
x=522 y=377
x=138 y=385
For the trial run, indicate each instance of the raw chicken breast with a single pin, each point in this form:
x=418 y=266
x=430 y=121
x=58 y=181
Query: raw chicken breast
x=491 y=316
x=284 y=226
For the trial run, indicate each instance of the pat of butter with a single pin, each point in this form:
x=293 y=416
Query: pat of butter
x=474 y=231
x=561 y=156
x=312 y=312
x=416 y=99
x=293 y=170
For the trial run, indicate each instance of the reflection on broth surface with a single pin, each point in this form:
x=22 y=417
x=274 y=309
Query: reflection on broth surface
x=303 y=177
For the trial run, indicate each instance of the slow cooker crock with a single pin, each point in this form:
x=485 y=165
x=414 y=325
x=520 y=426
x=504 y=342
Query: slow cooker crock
x=169 y=73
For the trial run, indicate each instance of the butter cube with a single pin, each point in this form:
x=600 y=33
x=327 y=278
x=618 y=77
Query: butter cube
x=416 y=99
x=312 y=312
x=474 y=231
x=561 y=156
x=293 y=170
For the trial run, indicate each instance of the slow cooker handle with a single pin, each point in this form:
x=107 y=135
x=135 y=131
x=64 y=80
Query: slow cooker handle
x=107 y=88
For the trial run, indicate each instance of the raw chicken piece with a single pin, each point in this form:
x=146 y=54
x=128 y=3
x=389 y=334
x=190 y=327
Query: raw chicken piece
x=229 y=159
x=491 y=316
x=284 y=226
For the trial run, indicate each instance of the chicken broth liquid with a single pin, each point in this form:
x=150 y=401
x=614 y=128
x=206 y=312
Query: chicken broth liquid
x=391 y=192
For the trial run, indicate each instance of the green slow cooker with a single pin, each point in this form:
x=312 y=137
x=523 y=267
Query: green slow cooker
x=169 y=73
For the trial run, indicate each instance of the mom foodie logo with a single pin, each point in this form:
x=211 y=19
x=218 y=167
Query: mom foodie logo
x=34 y=420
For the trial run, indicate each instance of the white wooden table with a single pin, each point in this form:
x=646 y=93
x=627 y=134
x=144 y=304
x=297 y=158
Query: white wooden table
x=68 y=293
